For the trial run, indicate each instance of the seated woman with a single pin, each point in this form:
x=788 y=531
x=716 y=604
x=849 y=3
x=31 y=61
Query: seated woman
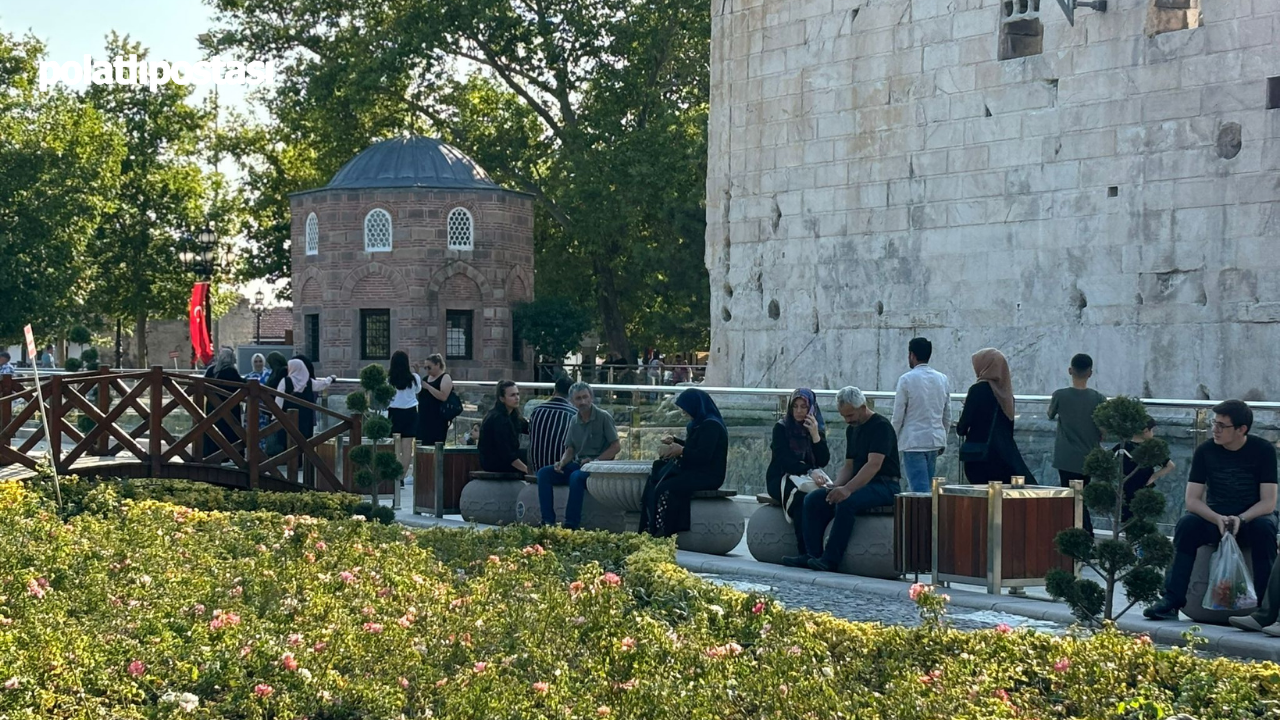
x=500 y=433
x=799 y=446
x=686 y=466
x=989 y=452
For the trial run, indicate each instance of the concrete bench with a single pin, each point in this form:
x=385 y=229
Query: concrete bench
x=1200 y=585
x=715 y=523
x=595 y=514
x=490 y=498
x=869 y=553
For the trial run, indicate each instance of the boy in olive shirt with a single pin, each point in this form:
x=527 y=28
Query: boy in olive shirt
x=1073 y=408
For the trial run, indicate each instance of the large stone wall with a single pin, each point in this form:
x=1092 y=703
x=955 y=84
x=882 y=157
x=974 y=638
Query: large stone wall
x=877 y=172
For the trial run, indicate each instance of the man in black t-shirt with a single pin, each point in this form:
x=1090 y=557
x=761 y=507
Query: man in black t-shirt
x=868 y=478
x=1231 y=489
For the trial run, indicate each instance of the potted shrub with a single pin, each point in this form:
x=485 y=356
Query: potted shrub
x=374 y=468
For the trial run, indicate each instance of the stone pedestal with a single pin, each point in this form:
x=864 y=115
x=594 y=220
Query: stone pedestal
x=769 y=536
x=619 y=485
x=490 y=498
x=1200 y=585
x=715 y=524
x=870 y=549
x=595 y=515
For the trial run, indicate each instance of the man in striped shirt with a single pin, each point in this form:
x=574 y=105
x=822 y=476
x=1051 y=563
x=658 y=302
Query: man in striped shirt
x=548 y=425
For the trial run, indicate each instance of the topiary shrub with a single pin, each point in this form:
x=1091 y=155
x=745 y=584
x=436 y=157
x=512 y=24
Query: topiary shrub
x=1137 y=553
x=372 y=466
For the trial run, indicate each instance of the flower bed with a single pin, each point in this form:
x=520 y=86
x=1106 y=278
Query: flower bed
x=142 y=609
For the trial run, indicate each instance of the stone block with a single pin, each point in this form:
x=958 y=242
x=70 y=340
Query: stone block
x=1200 y=584
x=715 y=527
x=490 y=502
x=595 y=515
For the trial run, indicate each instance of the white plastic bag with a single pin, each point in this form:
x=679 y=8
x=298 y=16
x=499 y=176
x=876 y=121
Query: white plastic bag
x=1230 y=587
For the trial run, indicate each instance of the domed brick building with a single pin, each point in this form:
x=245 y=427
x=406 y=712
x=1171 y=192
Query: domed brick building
x=411 y=246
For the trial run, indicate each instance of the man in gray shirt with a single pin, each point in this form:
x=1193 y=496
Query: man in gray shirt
x=592 y=436
x=1077 y=434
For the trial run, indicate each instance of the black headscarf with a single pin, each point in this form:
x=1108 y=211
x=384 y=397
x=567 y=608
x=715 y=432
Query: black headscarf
x=700 y=406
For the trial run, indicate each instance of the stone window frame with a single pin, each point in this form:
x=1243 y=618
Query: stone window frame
x=469 y=333
x=461 y=245
x=1021 y=30
x=379 y=212
x=313 y=235
x=311 y=335
x=364 y=314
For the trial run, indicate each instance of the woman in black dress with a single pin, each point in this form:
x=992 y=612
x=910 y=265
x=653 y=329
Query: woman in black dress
x=989 y=452
x=224 y=368
x=432 y=427
x=500 y=434
x=799 y=446
x=696 y=463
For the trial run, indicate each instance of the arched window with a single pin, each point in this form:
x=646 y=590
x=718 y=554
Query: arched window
x=461 y=230
x=313 y=235
x=377 y=231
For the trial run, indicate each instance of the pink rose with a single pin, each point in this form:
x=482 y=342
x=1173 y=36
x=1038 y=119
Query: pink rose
x=576 y=587
x=263 y=690
x=916 y=590
x=758 y=608
x=612 y=579
x=628 y=643
x=480 y=666
x=541 y=688
x=321 y=546
x=442 y=682
x=11 y=683
x=295 y=640
x=373 y=627
x=404 y=683
x=1062 y=665
x=404 y=621
x=346 y=577
x=137 y=668
x=288 y=662
x=494 y=559
x=319 y=647
x=1003 y=629
x=34 y=589
x=603 y=711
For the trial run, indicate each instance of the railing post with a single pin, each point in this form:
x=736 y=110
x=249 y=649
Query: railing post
x=252 y=411
x=104 y=404
x=155 y=421
x=995 y=537
x=293 y=462
x=52 y=424
x=197 y=440
x=439 y=460
x=6 y=408
x=348 y=480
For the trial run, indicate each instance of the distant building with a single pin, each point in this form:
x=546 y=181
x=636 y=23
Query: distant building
x=411 y=246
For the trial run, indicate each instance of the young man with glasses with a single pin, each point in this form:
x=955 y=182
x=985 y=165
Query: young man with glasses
x=1231 y=489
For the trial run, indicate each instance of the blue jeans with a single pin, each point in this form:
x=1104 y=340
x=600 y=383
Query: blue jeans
x=919 y=468
x=817 y=513
x=577 y=482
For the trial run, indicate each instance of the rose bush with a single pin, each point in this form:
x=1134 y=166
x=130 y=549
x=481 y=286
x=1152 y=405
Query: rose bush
x=146 y=609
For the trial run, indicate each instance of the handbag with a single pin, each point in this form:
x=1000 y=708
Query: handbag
x=451 y=407
x=974 y=451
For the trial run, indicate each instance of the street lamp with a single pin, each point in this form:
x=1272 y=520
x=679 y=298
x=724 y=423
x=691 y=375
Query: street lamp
x=258 y=308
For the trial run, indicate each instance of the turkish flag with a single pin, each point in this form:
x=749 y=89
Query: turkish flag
x=201 y=344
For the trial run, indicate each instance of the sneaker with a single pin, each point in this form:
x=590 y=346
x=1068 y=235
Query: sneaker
x=1162 y=610
x=1273 y=629
x=820 y=565
x=1245 y=622
x=796 y=561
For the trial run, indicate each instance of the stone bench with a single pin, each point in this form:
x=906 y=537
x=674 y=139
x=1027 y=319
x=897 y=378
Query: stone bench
x=869 y=554
x=490 y=498
x=595 y=514
x=715 y=523
x=1200 y=585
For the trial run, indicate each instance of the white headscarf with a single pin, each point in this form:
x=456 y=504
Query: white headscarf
x=226 y=359
x=298 y=375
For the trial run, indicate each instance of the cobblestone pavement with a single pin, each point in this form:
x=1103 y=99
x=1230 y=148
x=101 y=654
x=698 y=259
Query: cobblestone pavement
x=867 y=607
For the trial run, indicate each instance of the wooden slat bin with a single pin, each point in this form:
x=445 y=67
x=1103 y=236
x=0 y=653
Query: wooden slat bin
x=459 y=462
x=913 y=533
x=1001 y=535
x=327 y=452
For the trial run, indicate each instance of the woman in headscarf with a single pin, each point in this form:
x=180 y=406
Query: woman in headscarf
x=989 y=452
x=698 y=462
x=299 y=384
x=277 y=366
x=799 y=447
x=224 y=368
x=259 y=363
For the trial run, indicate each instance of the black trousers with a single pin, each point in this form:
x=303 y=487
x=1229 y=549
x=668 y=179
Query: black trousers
x=1194 y=532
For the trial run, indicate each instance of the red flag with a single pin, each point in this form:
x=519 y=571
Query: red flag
x=200 y=341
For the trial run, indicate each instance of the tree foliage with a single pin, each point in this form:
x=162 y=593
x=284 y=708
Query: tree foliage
x=596 y=109
x=1137 y=553
x=59 y=164
x=553 y=325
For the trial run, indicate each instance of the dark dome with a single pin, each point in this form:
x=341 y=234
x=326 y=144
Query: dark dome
x=413 y=161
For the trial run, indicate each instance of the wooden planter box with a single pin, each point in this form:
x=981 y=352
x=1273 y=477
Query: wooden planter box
x=346 y=475
x=913 y=533
x=459 y=462
x=1001 y=535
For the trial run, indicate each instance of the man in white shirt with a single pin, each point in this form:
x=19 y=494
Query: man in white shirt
x=921 y=416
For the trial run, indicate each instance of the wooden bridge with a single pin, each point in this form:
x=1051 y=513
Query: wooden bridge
x=90 y=433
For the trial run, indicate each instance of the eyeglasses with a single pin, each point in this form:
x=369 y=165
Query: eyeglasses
x=1220 y=426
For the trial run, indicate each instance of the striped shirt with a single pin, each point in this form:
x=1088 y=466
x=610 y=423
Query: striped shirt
x=548 y=425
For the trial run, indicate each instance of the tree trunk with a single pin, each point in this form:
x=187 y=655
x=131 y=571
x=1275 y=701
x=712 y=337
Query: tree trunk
x=140 y=338
x=615 y=327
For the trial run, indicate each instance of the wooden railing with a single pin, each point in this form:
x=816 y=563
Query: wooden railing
x=217 y=437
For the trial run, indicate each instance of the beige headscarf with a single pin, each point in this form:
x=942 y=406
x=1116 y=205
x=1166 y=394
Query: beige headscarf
x=992 y=368
x=298 y=374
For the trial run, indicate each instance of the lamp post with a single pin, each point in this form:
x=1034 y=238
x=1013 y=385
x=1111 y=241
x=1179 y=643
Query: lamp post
x=202 y=259
x=258 y=308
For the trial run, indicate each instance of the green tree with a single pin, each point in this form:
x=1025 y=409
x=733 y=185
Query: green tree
x=59 y=164
x=1138 y=552
x=553 y=325
x=596 y=109
x=164 y=197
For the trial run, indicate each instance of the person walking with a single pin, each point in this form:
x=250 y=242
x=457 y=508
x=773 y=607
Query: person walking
x=921 y=416
x=403 y=410
x=989 y=451
x=1077 y=434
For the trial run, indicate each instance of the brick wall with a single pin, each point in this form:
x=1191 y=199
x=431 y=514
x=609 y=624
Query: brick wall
x=418 y=280
x=877 y=171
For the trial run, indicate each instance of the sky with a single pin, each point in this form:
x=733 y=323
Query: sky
x=72 y=28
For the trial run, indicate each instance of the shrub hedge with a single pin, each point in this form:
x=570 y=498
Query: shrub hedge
x=143 y=609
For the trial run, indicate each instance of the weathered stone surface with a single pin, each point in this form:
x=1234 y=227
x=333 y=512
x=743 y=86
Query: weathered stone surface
x=490 y=502
x=715 y=527
x=879 y=174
